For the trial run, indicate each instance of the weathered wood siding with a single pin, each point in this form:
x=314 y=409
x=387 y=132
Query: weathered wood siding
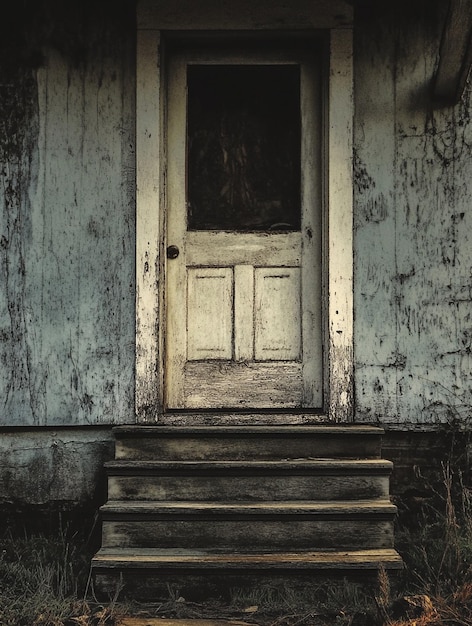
x=67 y=214
x=413 y=224
x=67 y=217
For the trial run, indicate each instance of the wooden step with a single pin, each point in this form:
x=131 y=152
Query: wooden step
x=302 y=479
x=148 y=574
x=225 y=505
x=198 y=559
x=251 y=527
x=186 y=443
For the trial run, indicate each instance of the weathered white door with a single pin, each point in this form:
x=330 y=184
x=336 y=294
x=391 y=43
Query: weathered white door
x=243 y=274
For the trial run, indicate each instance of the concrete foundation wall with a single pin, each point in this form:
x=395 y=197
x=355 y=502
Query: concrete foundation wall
x=62 y=466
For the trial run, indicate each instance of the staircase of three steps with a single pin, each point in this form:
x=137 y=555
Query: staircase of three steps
x=213 y=506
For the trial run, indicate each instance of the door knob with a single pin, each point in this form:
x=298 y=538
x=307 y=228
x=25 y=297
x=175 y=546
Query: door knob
x=172 y=252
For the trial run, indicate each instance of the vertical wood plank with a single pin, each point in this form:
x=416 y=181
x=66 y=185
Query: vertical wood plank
x=340 y=224
x=375 y=286
x=428 y=153
x=313 y=310
x=243 y=312
x=148 y=156
x=68 y=235
x=176 y=269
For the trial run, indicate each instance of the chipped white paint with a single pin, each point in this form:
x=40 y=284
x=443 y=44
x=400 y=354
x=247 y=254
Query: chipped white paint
x=148 y=225
x=337 y=386
x=243 y=313
x=413 y=250
x=66 y=308
x=340 y=223
x=209 y=308
x=277 y=321
x=66 y=220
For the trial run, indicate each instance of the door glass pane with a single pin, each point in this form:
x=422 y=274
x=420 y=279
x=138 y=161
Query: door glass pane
x=243 y=147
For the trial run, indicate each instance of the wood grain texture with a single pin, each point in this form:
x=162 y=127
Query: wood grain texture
x=255 y=535
x=209 y=301
x=230 y=384
x=149 y=192
x=309 y=480
x=184 y=14
x=339 y=175
x=277 y=324
x=244 y=313
x=230 y=294
x=219 y=439
x=413 y=324
x=67 y=232
x=455 y=56
x=194 y=558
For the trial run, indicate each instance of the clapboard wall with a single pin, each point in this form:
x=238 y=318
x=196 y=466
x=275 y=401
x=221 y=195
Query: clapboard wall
x=67 y=234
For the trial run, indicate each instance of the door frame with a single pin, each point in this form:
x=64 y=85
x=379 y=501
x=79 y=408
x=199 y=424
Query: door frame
x=337 y=176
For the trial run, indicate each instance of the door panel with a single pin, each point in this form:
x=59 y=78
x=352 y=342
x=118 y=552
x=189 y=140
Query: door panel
x=243 y=385
x=243 y=306
x=209 y=306
x=277 y=314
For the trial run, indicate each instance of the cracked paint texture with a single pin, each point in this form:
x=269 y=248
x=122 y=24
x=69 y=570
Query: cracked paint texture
x=60 y=465
x=67 y=219
x=67 y=229
x=413 y=225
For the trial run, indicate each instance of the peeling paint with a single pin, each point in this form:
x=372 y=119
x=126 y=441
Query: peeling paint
x=67 y=214
x=413 y=265
x=67 y=229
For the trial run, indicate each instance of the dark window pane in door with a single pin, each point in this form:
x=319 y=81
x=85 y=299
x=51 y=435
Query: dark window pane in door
x=243 y=151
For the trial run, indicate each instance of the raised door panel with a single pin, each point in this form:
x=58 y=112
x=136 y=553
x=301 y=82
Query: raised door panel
x=209 y=313
x=277 y=314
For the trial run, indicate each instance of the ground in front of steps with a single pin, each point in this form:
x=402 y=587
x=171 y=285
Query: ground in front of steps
x=159 y=621
x=193 y=614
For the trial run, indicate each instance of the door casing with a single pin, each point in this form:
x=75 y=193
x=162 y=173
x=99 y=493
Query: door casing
x=337 y=247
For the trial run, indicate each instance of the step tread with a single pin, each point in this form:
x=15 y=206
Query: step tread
x=285 y=465
x=147 y=558
x=242 y=430
x=249 y=508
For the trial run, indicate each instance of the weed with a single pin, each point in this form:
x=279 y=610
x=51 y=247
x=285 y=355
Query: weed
x=434 y=536
x=322 y=602
x=43 y=580
x=45 y=577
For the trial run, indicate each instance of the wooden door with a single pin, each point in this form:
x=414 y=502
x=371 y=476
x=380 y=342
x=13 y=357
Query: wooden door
x=243 y=274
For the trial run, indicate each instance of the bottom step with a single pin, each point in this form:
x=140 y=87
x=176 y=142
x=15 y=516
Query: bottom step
x=172 y=559
x=149 y=574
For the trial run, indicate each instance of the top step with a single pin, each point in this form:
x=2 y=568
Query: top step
x=201 y=443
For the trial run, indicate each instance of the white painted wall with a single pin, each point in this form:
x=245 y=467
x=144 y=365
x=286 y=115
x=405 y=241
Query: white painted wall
x=413 y=252
x=67 y=261
x=67 y=235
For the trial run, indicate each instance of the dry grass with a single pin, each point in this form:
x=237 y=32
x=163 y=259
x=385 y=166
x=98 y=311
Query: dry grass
x=44 y=579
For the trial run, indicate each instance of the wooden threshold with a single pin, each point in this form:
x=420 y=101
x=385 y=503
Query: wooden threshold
x=243 y=418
